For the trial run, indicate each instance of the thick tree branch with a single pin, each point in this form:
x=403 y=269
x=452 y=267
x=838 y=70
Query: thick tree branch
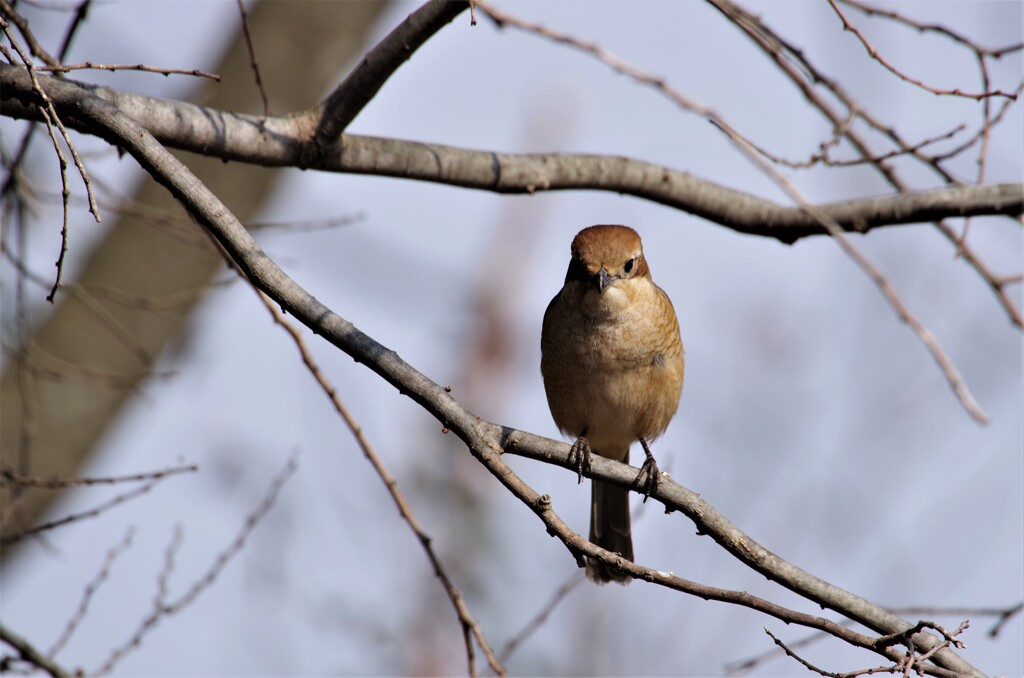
x=279 y=141
x=485 y=440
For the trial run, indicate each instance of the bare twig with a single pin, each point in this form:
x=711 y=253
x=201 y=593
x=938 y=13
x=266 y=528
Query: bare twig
x=940 y=356
x=81 y=12
x=252 y=57
x=7 y=11
x=309 y=225
x=158 y=304
x=11 y=538
x=58 y=370
x=981 y=55
x=90 y=304
x=795 y=65
x=470 y=628
x=165 y=607
x=981 y=131
x=542 y=615
x=986 y=135
x=27 y=414
x=995 y=53
x=51 y=118
x=1002 y=615
x=822 y=156
x=90 y=590
x=950 y=639
x=9 y=476
x=902 y=637
x=502 y=19
x=89 y=65
x=847 y=26
x=48 y=110
x=811 y=667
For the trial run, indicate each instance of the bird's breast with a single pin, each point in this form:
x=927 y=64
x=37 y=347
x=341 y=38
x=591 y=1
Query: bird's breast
x=612 y=365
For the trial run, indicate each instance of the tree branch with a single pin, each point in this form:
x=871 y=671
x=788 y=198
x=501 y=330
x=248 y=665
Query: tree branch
x=486 y=441
x=278 y=142
x=348 y=99
x=470 y=628
x=30 y=654
x=792 y=62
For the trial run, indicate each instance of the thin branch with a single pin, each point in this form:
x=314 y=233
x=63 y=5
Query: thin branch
x=822 y=156
x=27 y=414
x=977 y=136
x=986 y=134
x=81 y=12
x=102 y=314
x=902 y=637
x=90 y=590
x=49 y=110
x=158 y=304
x=805 y=76
x=8 y=539
x=7 y=10
x=253 y=63
x=940 y=356
x=60 y=371
x=1002 y=615
x=162 y=605
x=49 y=117
x=88 y=65
x=309 y=225
x=9 y=476
x=538 y=620
x=470 y=628
x=1005 y=617
x=994 y=52
x=501 y=19
x=811 y=667
x=873 y=53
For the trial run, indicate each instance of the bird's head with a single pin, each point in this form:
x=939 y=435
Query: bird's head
x=603 y=257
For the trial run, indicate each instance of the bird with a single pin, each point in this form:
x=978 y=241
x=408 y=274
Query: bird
x=612 y=362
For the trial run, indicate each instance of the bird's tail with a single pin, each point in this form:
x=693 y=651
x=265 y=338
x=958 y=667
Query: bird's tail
x=609 y=529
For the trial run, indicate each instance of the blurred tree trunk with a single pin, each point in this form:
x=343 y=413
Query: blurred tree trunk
x=50 y=426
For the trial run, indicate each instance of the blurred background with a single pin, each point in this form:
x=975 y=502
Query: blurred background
x=811 y=416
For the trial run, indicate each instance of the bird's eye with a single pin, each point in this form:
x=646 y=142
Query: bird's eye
x=628 y=268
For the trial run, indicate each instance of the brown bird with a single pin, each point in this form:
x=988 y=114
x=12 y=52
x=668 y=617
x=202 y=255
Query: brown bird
x=612 y=362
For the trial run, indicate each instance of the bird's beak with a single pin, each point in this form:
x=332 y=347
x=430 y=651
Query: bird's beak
x=603 y=279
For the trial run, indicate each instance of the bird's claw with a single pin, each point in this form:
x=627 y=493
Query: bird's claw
x=649 y=471
x=579 y=456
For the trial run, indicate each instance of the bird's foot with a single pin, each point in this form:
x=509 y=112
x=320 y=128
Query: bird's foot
x=579 y=456
x=650 y=470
